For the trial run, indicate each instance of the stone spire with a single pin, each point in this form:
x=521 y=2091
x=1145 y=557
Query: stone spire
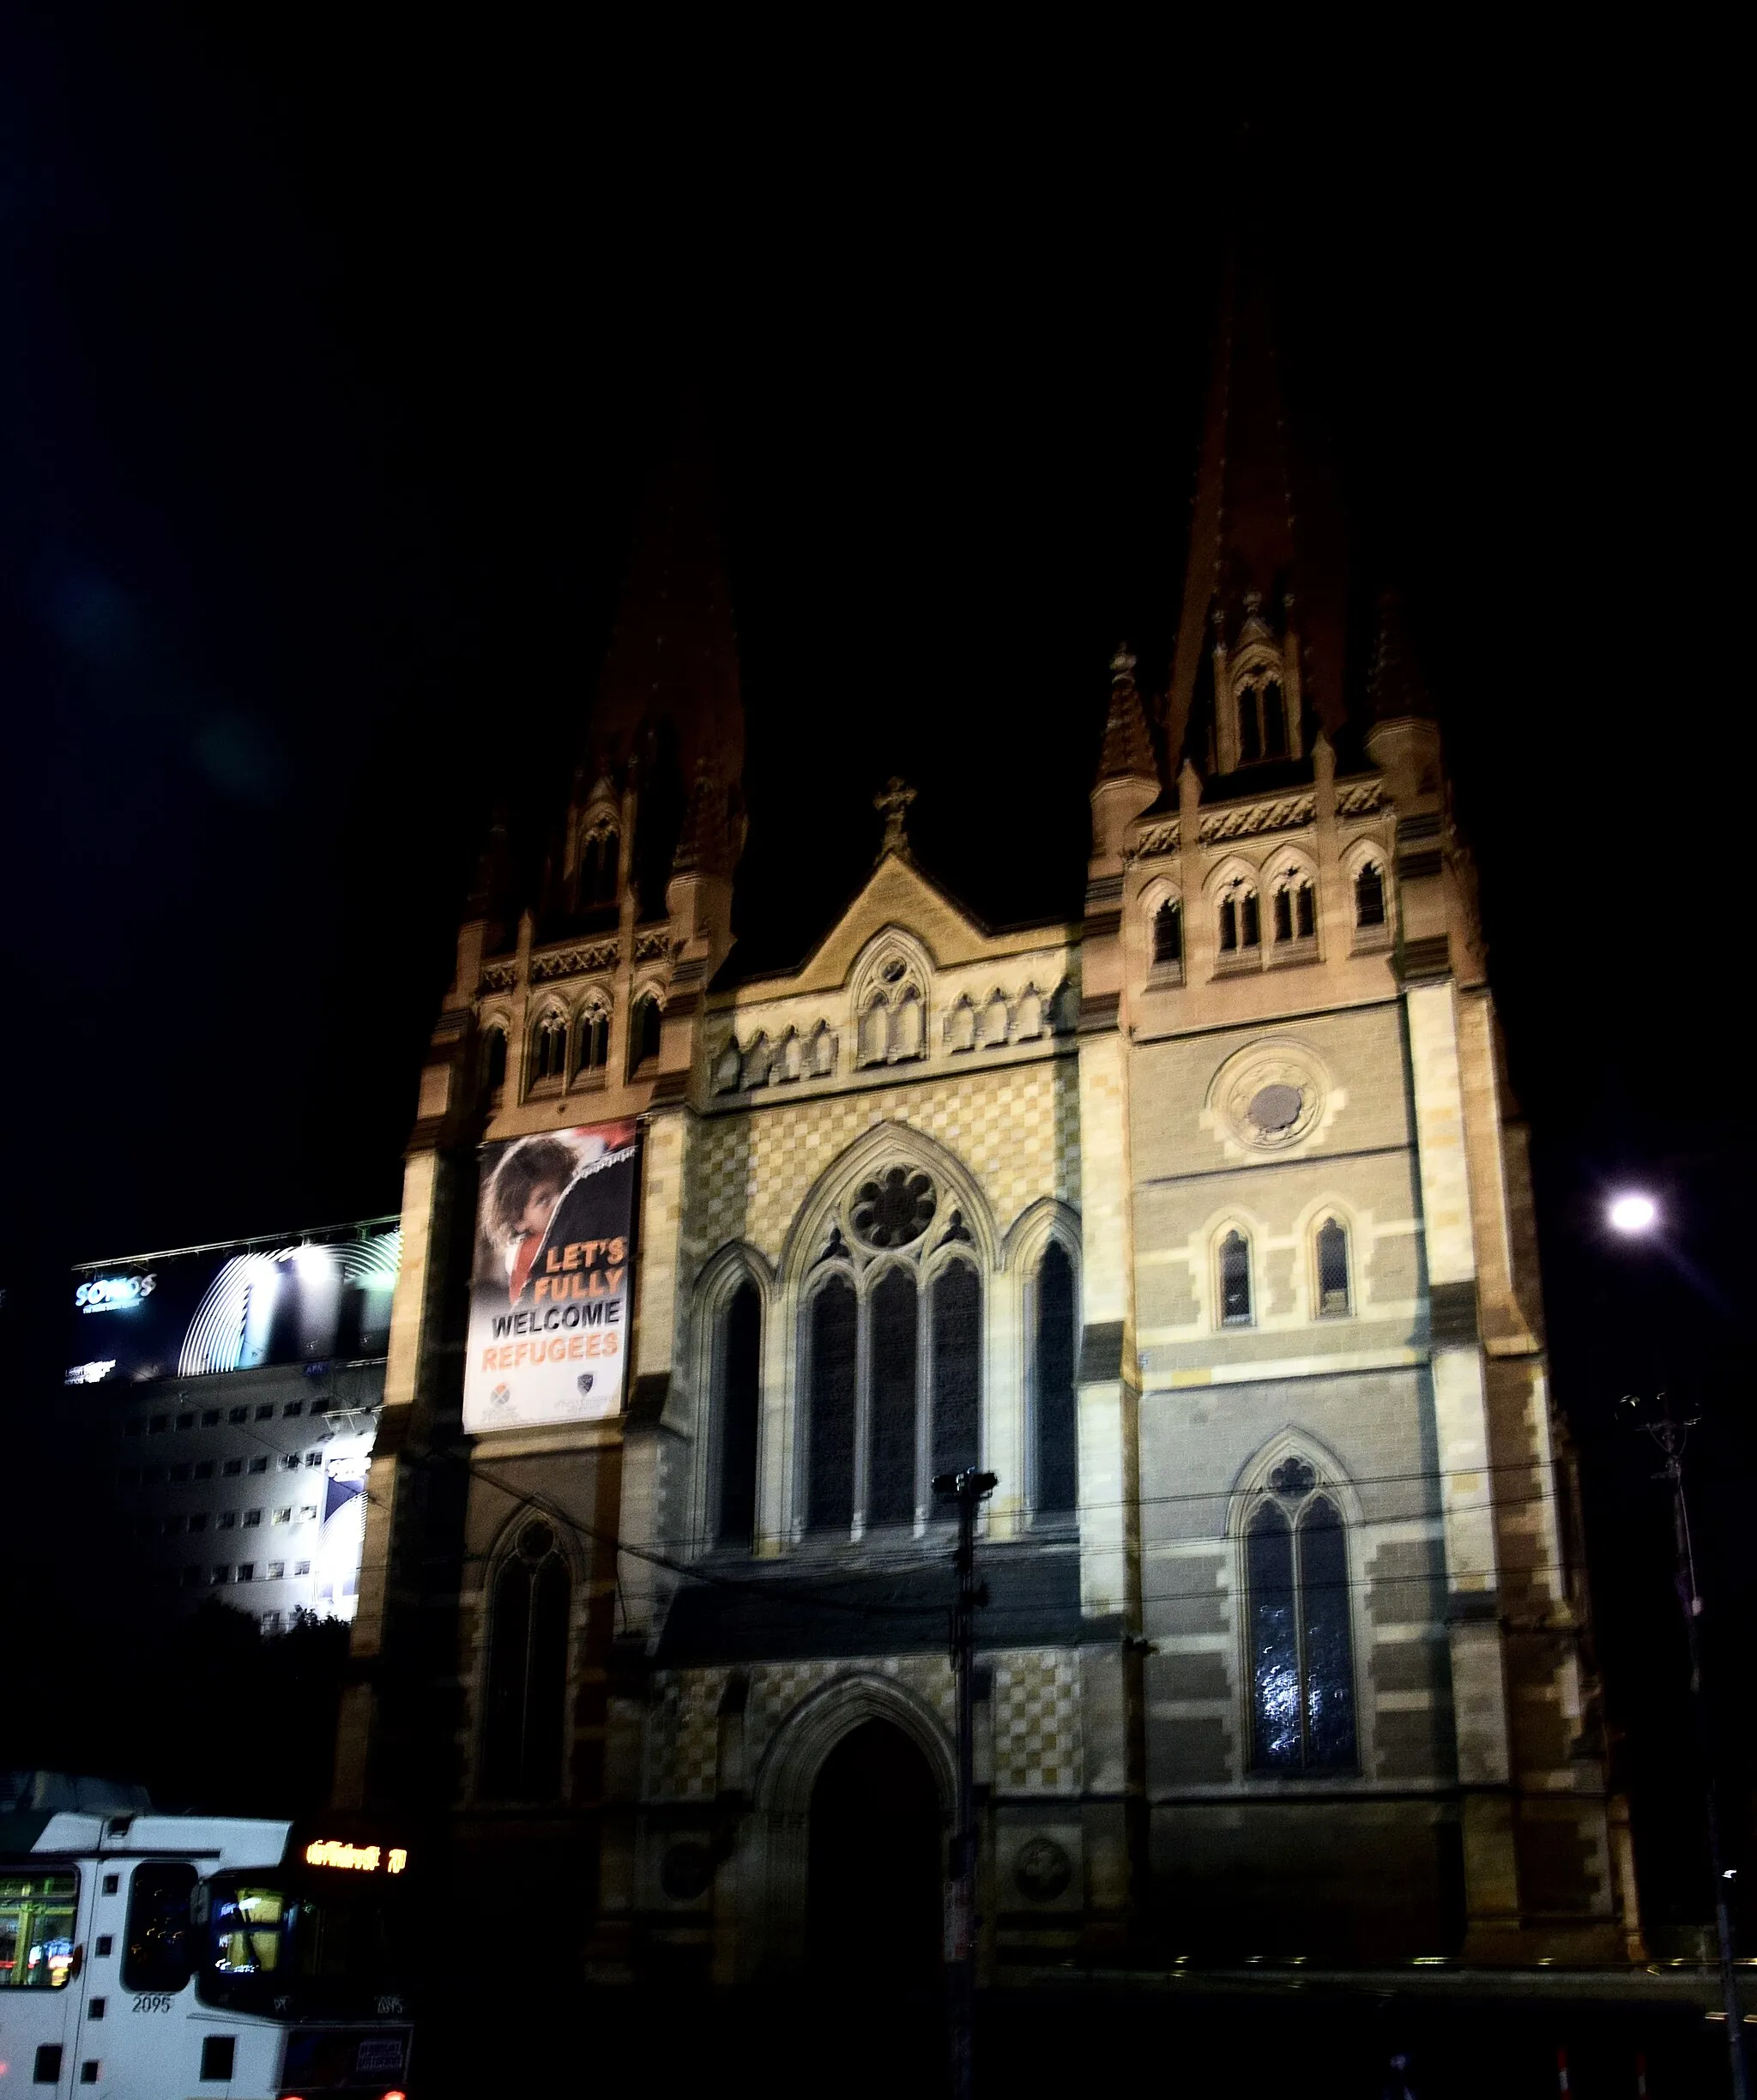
x=1127 y=752
x=708 y=843
x=671 y=675
x=1254 y=554
x=1395 y=687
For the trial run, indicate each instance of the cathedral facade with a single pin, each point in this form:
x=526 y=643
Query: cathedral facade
x=1200 y=1219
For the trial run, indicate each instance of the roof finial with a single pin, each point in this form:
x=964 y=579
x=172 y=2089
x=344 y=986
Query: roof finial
x=893 y=806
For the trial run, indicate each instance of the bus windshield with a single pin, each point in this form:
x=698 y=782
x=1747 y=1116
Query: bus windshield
x=273 y=1941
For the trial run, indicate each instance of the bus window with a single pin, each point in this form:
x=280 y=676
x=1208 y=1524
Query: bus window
x=158 y=1954
x=244 y=1927
x=36 y=1930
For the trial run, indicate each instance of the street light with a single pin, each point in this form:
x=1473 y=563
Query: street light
x=1635 y=1215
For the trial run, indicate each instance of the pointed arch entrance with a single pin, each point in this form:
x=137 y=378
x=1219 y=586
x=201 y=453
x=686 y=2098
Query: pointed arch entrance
x=874 y=1866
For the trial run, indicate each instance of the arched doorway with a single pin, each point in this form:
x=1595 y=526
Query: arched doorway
x=877 y=1861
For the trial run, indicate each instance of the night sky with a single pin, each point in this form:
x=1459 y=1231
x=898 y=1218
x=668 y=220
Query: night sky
x=333 y=358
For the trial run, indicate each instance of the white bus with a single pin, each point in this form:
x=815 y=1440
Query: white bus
x=149 y=1957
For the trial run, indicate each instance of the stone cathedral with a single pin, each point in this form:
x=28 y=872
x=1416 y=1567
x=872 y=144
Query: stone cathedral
x=1200 y=1218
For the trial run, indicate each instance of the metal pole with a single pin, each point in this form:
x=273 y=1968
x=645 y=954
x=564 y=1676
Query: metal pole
x=1670 y=1435
x=969 y=1487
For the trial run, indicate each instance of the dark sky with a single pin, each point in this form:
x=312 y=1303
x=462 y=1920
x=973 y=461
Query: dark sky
x=334 y=350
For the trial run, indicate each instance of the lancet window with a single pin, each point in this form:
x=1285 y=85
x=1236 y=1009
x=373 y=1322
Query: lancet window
x=1234 y=1264
x=738 y=1380
x=527 y=1687
x=599 y=858
x=494 y=1059
x=893 y=1347
x=1295 y=907
x=1241 y=929
x=549 y=1047
x=1300 y=1662
x=1331 y=1247
x=1262 y=718
x=1369 y=895
x=593 y=1053
x=643 y=1032
x=1167 y=934
x=1054 y=1428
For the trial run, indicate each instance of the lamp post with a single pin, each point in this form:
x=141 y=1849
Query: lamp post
x=1637 y=1216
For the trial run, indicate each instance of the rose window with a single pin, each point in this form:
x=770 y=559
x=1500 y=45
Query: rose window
x=893 y=1210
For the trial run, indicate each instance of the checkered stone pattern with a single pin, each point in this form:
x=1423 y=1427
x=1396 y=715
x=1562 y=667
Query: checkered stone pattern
x=1017 y=1129
x=683 y=1754
x=1036 y=1722
x=777 y=1688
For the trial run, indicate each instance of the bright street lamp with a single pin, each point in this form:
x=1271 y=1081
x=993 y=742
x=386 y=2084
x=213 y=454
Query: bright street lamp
x=1633 y=1213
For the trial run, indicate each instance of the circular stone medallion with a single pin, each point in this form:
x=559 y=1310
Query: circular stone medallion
x=686 y=1871
x=1270 y=1096
x=1042 y=1869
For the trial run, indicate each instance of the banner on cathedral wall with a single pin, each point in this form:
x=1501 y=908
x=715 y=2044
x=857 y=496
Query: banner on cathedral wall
x=551 y=1290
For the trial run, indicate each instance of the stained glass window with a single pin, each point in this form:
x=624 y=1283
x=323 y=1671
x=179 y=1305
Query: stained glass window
x=957 y=1368
x=890 y=1497
x=1302 y=1649
x=740 y=1397
x=1055 y=1426
x=830 y=1478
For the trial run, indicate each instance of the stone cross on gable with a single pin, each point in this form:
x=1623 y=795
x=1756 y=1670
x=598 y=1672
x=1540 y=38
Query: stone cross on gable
x=893 y=806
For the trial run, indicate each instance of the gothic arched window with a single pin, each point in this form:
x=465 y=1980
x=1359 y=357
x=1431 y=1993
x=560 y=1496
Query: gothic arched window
x=1236 y=1279
x=643 y=1032
x=875 y=1037
x=830 y=1489
x=958 y=1368
x=1301 y=1650
x=1054 y=1426
x=1168 y=933
x=594 y=1040
x=1274 y=721
x=522 y=1734
x=1240 y=928
x=494 y=1059
x=598 y=867
x=1332 y=1252
x=549 y=1060
x=1369 y=895
x=1295 y=909
x=1250 y=727
x=739 y=1370
x=890 y=1492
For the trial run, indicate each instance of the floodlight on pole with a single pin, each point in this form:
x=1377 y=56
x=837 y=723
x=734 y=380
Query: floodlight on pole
x=1632 y=1213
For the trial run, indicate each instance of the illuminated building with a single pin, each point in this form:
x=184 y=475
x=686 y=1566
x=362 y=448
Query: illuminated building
x=1202 y=1219
x=239 y=1385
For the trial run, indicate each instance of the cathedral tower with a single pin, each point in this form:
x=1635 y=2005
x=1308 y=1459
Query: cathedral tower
x=1200 y=1216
